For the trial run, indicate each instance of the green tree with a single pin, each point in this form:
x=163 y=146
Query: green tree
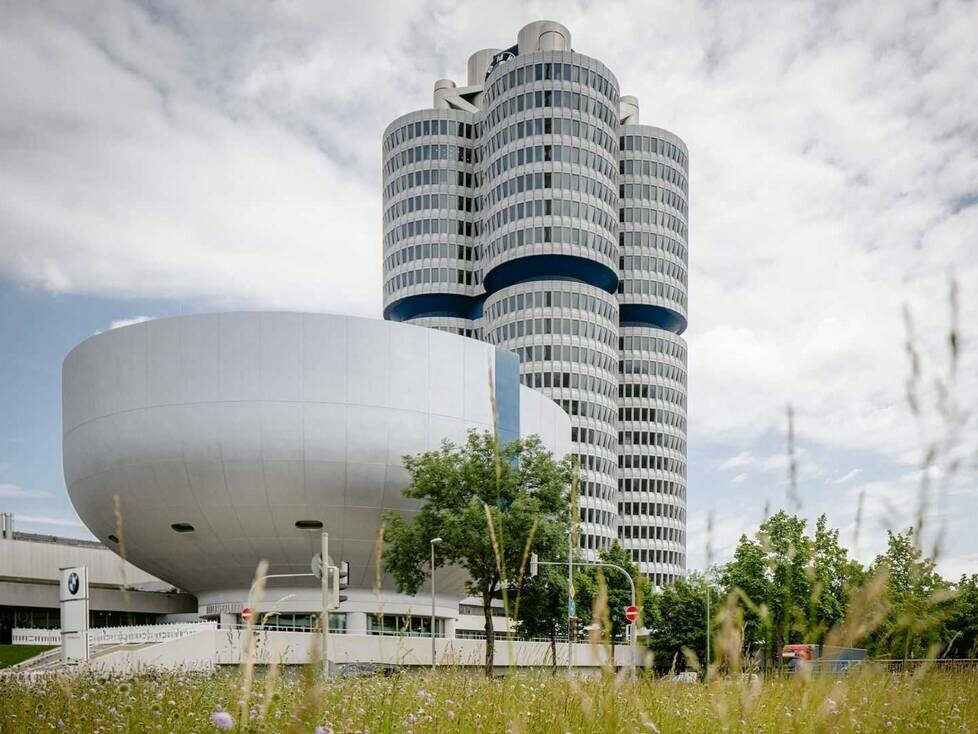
x=491 y=505
x=788 y=553
x=919 y=600
x=541 y=608
x=586 y=585
x=830 y=574
x=746 y=577
x=678 y=625
x=962 y=620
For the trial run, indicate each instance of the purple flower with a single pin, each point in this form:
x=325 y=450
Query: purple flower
x=222 y=720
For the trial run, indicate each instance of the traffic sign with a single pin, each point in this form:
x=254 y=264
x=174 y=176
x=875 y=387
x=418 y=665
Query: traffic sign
x=245 y=614
x=631 y=612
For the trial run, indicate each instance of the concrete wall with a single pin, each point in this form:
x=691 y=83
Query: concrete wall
x=29 y=578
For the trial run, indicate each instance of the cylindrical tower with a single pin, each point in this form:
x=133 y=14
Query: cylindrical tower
x=431 y=218
x=652 y=389
x=549 y=249
x=570 y=223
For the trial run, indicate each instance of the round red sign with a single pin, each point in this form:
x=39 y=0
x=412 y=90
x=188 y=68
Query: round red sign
x=245 y=614
x=631 y=612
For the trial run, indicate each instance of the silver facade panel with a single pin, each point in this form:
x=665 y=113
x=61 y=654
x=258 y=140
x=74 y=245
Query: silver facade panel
x=243 y=424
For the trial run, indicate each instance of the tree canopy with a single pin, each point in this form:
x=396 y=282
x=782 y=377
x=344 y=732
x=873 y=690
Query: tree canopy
x=491 y=505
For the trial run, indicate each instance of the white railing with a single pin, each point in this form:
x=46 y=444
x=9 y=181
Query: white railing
x=115 y=635
x=27 y=636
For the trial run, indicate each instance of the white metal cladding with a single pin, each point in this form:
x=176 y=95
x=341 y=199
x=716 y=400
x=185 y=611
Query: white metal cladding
x=652 y=450
x=242 y=424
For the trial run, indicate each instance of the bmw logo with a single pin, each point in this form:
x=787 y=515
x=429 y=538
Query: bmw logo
x=73 y=583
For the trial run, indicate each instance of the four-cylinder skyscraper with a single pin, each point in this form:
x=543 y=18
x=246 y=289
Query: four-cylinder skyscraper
x=531 y=209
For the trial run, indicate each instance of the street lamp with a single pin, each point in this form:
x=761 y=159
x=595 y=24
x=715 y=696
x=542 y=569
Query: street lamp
x=434 y=542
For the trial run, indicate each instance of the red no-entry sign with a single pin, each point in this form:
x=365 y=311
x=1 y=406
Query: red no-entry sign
x=631 y=612
x=245 y=614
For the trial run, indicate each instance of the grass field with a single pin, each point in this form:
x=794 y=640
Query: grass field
x=461 y=702
x=13 y=654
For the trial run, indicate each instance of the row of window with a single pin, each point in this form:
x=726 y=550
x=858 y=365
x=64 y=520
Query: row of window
x=430 y=201
x=597 y=490
x=553 y=299
x=658 y=194
x=543 y=235
x=554 y=326
x=646 y=144
x=647 y=438
x=653 y=169
x=431 y=152
x=431 y=275
x=650 y=532
x=460 y=330
x=651 y=240
x=565 y=353
x=652 y=344
x=652 y=415
x=648 y=264
x=641 y=215
x=600 y=517
x=650 y=484
x=571 y=380
x=431 y=177
x=552 y=154
x=653 y=289
x=597 y=464
x=654 y=555
x=551 y=126
x=659 y=463
x=652 y=392
x=552 y=71
x=594 y=542
x=431 y=226
x=657 y=509
x=552 y=208
x=587 y=409
x=429 y=250
x=545 y=99
x=542 y=180
x=423 y=128
x=594 y=436
x=649 y=367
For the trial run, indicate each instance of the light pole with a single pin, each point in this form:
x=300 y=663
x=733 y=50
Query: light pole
x=433 y=543
x=325 y=618
x=706 y=676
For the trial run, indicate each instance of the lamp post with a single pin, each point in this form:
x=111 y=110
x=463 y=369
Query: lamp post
x=706 y=675
x=433 y=543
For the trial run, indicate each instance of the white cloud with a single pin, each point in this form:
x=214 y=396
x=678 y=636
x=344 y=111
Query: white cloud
x=230 y=153
x=119 y=323
x=15 y=490
x=739 y=479
x=742 y=459
x=848 y=476
x=47 y=520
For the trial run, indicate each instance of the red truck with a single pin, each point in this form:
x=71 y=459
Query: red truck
x=821 y=657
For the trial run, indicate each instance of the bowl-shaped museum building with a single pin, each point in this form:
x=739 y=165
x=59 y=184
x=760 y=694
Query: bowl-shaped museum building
x=232 y=438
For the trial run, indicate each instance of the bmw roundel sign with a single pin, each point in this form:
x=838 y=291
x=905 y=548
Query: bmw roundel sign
x=73 y=583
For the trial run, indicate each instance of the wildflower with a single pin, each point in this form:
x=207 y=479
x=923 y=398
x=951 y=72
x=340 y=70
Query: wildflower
x=222 y=719
x=451 y=714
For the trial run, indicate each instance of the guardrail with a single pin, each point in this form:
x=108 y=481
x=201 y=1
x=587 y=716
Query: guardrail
x=114 y=635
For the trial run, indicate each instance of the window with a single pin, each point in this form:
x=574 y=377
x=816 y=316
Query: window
x=182 y=527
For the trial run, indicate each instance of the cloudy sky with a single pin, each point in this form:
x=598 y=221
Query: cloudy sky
x=160 y=158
